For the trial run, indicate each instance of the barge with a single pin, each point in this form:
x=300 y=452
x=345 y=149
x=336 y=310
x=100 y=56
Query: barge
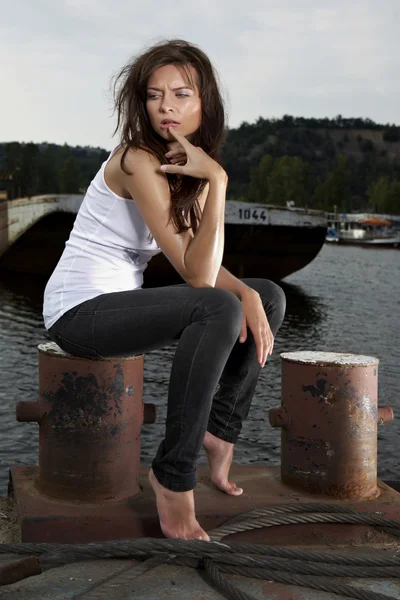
x=261 y=240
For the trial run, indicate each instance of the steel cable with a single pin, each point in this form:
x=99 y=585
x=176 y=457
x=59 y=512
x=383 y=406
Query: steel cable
x=283 y=565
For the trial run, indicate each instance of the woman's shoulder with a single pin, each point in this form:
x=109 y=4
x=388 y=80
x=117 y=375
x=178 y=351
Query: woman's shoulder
x=135 y=160
x=137 y=156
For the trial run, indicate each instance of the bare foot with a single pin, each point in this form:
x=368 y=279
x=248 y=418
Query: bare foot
x=176 y=513
x=220 y=455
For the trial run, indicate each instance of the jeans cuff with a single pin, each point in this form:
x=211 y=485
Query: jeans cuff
x=222 y=434
x=184 y=484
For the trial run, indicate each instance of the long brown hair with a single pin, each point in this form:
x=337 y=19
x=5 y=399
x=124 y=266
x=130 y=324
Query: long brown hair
x=130 y=95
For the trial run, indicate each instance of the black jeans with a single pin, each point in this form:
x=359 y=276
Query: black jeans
x=207 y=323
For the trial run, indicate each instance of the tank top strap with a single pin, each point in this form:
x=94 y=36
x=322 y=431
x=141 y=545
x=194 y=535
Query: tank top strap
x=113 y=151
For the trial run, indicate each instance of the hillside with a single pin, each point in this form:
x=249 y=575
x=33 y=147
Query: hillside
x=351 y=163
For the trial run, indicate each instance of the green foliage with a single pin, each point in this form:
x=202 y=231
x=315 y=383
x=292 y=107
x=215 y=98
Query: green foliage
x=259 y=180
x=384 y=196
x=393 y=200
x=334 y=189
x=48 y=172
x=32 y=169
x=70 y=176
x=252 y=151
x=377 y=193
x=279 y=181
x=367 y=146
x=313 y=162
x=392 y=134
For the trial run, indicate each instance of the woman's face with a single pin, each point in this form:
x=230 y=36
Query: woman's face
x=171 y=98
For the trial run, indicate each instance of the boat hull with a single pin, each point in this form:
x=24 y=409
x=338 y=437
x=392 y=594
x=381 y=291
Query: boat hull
x=251 y=250
x=267 y=251
x=377 y=243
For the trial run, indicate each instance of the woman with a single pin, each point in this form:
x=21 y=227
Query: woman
x=163 y=189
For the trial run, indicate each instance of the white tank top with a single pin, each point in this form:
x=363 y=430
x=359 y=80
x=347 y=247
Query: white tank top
x=107 y=251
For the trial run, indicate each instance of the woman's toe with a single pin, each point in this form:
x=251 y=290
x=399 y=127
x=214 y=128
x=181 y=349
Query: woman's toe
x=235 y=490
x=231 y=488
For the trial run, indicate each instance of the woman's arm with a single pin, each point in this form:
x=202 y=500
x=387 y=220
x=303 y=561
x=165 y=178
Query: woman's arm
x=227 y=281
x=206 y=247
x=196 y=258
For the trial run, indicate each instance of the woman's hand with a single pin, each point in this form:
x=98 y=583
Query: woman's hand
x=255 y=319
x=176 y=154
x=198 y=163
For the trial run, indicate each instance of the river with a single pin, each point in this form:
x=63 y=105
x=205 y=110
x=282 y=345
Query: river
x=346 y=300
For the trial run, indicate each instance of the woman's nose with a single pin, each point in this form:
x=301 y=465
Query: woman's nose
x=165 y=108
x=166 y=104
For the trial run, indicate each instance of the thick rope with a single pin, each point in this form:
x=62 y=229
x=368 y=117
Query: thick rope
x=283 y=565
x=142 y=547
x=310 y=507
x=223 y=584
x=271 y=521
x=303 y=567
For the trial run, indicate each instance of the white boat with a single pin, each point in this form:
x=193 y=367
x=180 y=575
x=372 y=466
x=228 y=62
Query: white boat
x=364 y=229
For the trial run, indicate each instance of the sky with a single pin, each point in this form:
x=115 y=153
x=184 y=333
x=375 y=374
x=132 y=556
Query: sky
x=312 y=58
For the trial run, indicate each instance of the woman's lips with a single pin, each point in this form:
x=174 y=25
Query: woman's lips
x=166 y=125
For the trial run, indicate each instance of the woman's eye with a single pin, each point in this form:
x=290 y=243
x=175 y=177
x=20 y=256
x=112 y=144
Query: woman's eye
x=152 y=96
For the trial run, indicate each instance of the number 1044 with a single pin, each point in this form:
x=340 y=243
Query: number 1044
x=247 y=213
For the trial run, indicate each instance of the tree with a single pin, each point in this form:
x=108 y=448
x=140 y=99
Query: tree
x=70 y=176
x=279 y=181
x=48 y=172
x=287 y=182
x=334 y=189
x=12 y=156
x=391 y=135
x=367 y=146
x=29 y=175
x=12 y=168
x=378 y=193
x=392 y=205
x=259 y=178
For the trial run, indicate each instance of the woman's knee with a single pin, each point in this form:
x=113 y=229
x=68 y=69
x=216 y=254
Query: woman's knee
x=224 y=306
x=272 y=295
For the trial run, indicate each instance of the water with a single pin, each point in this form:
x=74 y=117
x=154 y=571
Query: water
x=346 y=300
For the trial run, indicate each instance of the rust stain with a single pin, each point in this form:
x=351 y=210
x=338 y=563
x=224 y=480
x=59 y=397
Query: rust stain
x=80 y=402
x=316 y=390
x=89 y=438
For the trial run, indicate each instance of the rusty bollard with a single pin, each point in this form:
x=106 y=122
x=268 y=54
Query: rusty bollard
x=90 y=415
x=328 y=419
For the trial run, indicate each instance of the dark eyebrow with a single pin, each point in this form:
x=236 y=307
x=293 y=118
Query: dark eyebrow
x=184 y=87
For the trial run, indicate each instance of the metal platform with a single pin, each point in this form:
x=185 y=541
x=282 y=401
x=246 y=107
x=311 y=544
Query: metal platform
x=43 y=519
